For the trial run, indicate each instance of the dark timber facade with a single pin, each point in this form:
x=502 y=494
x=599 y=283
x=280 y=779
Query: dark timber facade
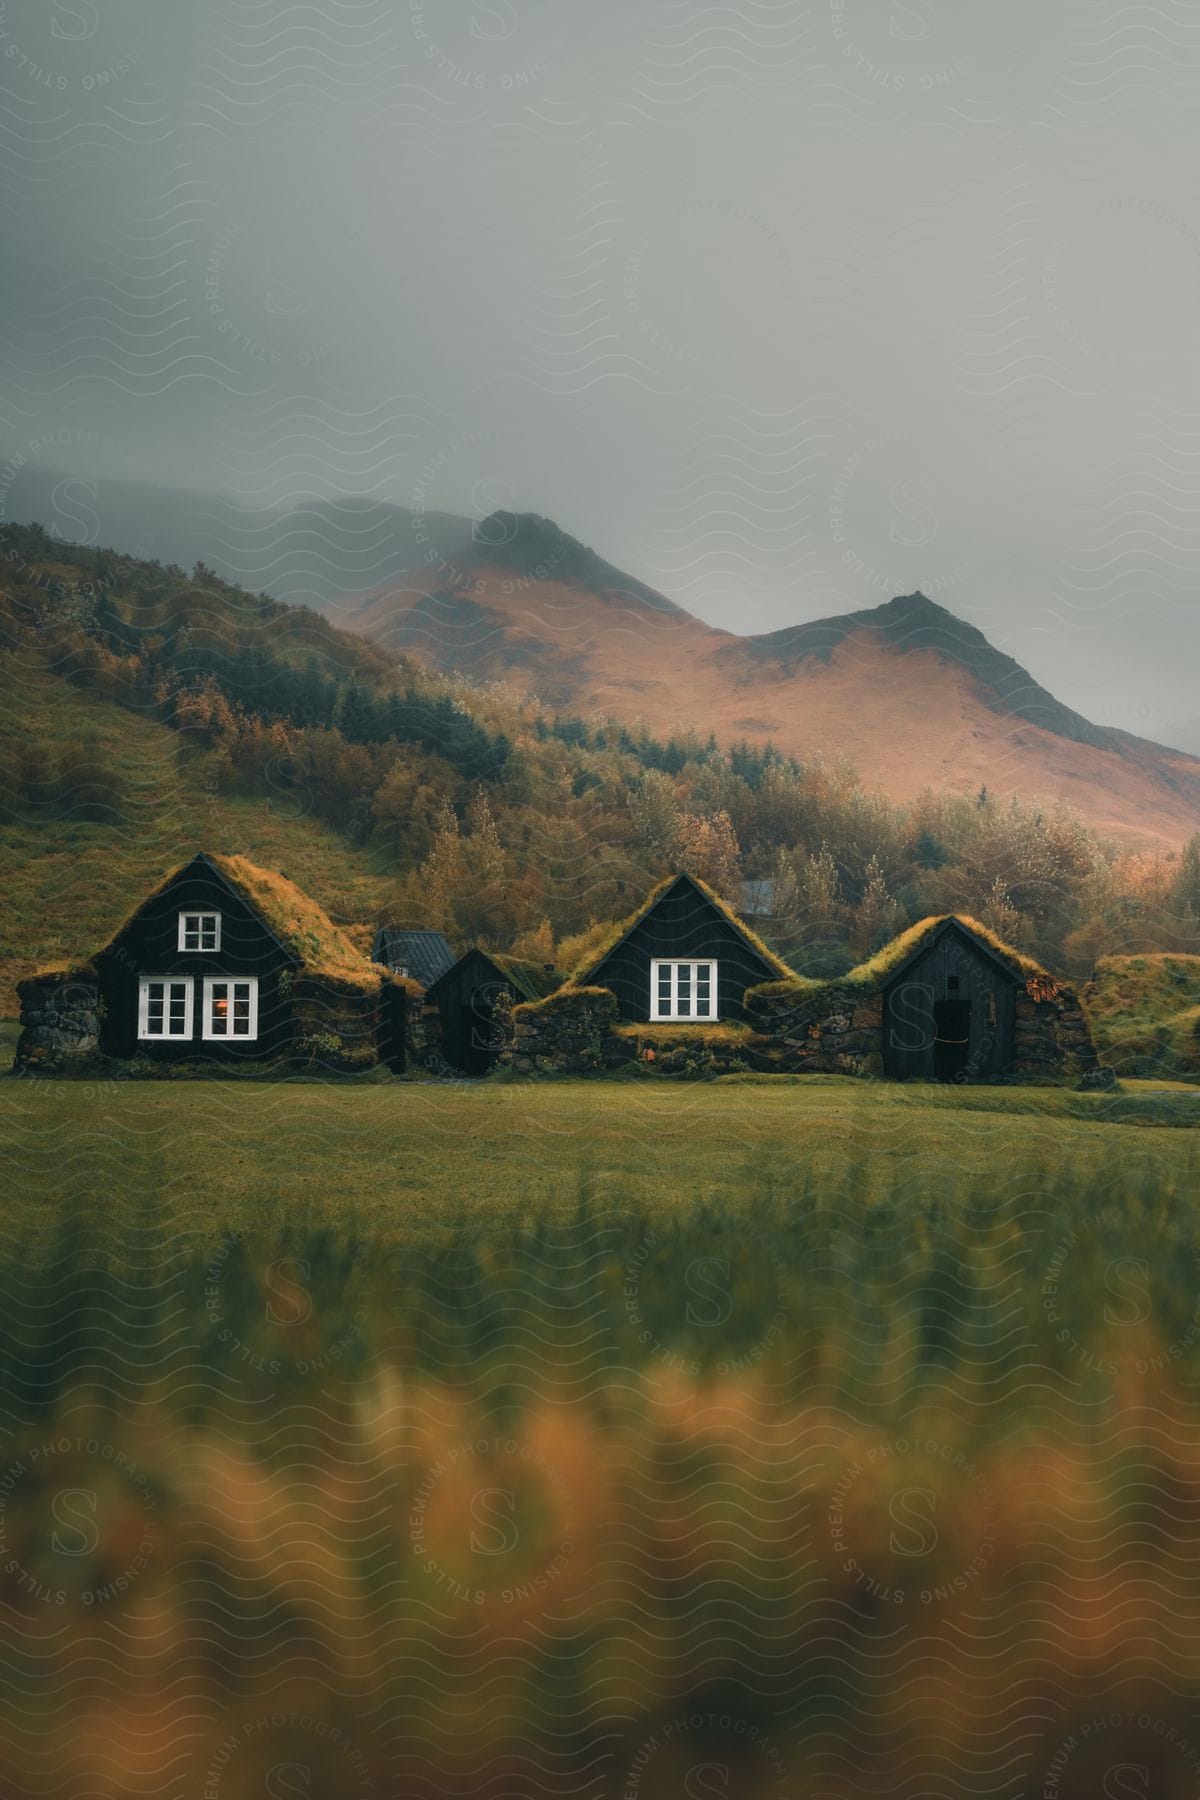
x=472 y=999
x=949 y=1012
x=685 y=958
x=210 y=988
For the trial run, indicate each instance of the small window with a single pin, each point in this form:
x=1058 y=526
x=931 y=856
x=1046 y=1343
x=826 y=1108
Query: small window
x=164 y=1008
x=199 y=931
x=952 y=984
x=683 y=990
x=230 y=1008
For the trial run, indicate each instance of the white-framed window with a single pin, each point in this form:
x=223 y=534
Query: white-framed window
x=230 y=1007
x=164 y=1006
x=683 y=990
x=199 y=931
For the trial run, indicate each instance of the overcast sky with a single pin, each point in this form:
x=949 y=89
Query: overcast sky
x=784 y=308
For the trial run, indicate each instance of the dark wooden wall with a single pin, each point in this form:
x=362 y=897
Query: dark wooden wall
x=465 y=998
x=908 y=1015
x=683 y=927
x=149 y=946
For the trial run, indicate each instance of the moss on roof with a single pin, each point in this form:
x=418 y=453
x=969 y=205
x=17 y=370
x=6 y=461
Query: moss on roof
x=622 y=930
x=303 y=928
x=885 y=962
x=877 y=970
x=533 y=979
x=679 y=1031
x=563 y=998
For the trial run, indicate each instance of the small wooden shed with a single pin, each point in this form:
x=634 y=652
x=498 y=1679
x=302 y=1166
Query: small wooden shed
x=471 y=996
x=945 y=1001
x=949 y=1008
x=684 y=956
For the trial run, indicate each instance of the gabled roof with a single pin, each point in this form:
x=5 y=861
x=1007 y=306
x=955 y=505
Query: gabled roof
x=301 y=928
x=531 y=980
x=424 y=955
x=882 y=969
x=895 y=957
x=587 y=974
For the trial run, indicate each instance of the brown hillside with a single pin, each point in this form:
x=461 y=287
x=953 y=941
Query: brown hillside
x=912 y=695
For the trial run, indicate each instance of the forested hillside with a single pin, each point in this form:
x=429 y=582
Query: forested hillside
x=151 y=712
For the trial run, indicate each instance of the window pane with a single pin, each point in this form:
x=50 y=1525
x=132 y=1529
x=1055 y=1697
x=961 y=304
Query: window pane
x=219 y=1003
x=178 y=1009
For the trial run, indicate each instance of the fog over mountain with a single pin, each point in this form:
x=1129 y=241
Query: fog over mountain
x=786 y=309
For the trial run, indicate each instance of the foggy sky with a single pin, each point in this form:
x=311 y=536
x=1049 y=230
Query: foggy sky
x=785 y=309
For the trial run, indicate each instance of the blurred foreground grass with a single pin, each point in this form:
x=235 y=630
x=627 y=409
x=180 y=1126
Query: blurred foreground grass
x=739 y=1440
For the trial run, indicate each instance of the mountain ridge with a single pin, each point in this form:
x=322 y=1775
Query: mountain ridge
x=916 y=696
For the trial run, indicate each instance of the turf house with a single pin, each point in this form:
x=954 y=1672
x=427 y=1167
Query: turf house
x=223 y=963
x=474 y=1000
x=945 y=1001
x=684 y=956
x=668 y=989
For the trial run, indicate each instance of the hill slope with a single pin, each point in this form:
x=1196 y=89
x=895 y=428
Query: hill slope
x=912 y=695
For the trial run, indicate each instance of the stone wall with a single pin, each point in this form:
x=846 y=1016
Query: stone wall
x=836 y=1032
x=423 y=1039
x=570 y=1033
x=827 y=1033
x=695 y=1051
x=60 y=1020
x=1052 y=1037
x=577 y=1031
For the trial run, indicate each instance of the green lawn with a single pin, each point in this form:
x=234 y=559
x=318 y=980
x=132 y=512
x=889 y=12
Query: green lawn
x=405 y=1157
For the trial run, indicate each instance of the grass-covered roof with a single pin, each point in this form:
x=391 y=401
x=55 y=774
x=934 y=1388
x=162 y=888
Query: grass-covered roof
x=532 y=979
x=583 y=975
x=303 y=928
x=1144 y=1012
x=878 y=970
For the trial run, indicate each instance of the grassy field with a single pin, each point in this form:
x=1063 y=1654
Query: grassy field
x=748 y=1438
x=412 y=1157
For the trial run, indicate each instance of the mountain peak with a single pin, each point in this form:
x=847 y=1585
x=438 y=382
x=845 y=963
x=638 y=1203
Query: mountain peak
x=915 y=604
x=536 y=549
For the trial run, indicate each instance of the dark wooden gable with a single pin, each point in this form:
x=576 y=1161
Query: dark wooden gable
x=149 y=945
x=953 y=987
x=466 y=997
x=682 y=925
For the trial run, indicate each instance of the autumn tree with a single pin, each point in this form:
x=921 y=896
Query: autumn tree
x=708 y=849
x=876 y=917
